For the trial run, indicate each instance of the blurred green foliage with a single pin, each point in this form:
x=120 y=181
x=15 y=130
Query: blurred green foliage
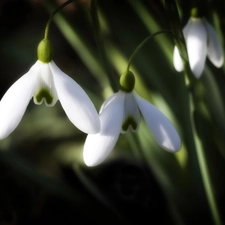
x=43 y=179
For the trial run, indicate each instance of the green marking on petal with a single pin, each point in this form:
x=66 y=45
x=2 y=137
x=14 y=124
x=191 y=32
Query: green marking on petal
x=44 y=94
x=129 y=122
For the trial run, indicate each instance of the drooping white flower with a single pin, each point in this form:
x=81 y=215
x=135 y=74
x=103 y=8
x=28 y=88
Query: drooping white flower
x=45 y=82
x=118 y=114
x=201 y=41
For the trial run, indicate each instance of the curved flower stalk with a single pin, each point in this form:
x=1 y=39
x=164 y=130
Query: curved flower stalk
x=45 y=82
x=201 y=41
x=122 y=112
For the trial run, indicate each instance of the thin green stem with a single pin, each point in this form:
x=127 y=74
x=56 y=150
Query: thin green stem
x=53 y=14
x=207 y=183
x=142 y=44
x=141 y=152
x=100 y=45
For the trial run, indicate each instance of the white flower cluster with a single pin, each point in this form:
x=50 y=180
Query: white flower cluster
x=121 y=112
x=45 y=82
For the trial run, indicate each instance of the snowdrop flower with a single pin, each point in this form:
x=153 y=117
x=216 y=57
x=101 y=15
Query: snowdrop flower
x=45 y=82
x=120 y=113
x=201 y=41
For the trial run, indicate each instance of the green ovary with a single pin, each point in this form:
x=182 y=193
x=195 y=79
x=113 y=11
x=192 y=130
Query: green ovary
x=129 y=122
x=44 y=94
x=127 y=81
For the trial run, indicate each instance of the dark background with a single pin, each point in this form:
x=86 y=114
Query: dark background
x=40 y=181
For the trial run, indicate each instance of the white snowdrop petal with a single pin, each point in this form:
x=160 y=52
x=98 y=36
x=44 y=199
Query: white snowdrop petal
x=107 y=102
x=75 y=102
x=97 y=147
x=177 y=61
x=162 y=129
x=215 y=51
x=45 y=86
x=186 y=28
x=196 y=42
x=131 y=118
x=15 y=101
